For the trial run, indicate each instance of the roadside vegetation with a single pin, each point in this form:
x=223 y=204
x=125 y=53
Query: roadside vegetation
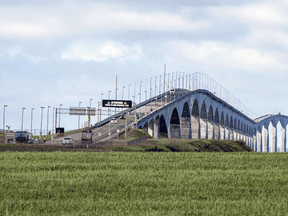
x=114 y=183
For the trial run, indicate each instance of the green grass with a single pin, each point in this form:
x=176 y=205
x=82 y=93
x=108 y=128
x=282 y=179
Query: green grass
x=88 y=183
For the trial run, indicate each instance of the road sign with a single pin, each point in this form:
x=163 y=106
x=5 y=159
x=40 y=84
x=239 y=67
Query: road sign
x=117 y=103
x=77 y=111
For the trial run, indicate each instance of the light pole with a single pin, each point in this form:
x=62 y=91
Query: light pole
x=59 y=115
x=150 y=87
x=145 y=90
x=160 y=84
x=123 y=91
x=22 y=118
x=129 y=91
x=155 y=85
x=134 y=91
x=168 y=82
x=47 y=121
x=172 y=80
x=79 y=117
x=176 y=80
x=31 y=118
x=109 y=95
x=179 y=79
x=53 y=125
x=140 y=93
x=41 y=122
x=89 y=116
x=4 y=131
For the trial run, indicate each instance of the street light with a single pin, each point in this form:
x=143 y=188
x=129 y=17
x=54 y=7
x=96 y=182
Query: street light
x=129 y=91
x=150 y=88
x=41 y=122
x=123 y=91
x=134 y=91
x=155 y=85
x=79 y=117
x=22 y=118
x=145 y=90
x=160 y=84
x=59 y=113
x=47 y=121
x=4 y=131
x=109 y=95
x=89 y=116
x=140 y=92
x=31 y=118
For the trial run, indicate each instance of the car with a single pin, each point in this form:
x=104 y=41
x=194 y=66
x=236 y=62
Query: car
x=113 y=121
x=67 y=141
x=172 y=91
x=122 y=116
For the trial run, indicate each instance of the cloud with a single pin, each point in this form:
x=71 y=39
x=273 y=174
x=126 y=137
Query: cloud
x=18 y=51
x=85 y=51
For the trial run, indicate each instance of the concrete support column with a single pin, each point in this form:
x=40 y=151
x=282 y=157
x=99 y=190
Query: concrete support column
x=216 y=135
x=203 y=126
x=156 y=128
x=151 y=129
x=231 y=134
x=254 y=143
x=226 y=133
x=209 y=130
x=282 y=140
x=194 y=127
x=234 y=135
x=273 y=139
x=264 y=145
x=221 y=132
x=174 y=131
x=259 y=139
x=185 y=127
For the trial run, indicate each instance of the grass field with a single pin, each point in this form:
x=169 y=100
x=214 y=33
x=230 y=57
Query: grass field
x=87 y=183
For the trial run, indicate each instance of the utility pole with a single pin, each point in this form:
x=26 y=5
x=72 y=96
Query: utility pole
x=22 y=118
x=155 y=85
x=53 y=126
x=116 y=92
x=150 y=88
x=41 y=123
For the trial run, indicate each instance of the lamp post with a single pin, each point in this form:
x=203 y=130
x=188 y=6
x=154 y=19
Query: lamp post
x=47 y=121
x=140 y=93
x=176 y=80
x=53 y=125
x=59 y=114
x=172 y=80
x=79 y=117
x=4 y=131
x=123 y=91
x=150 y=87
x=145 y=90
x=41 y=122
x=22 y=118
x=155 y=85
x=134 y=91
x=168 y=82
x=129 y=91
x=89 y=116
x=109 y=95
x=31 y=118
x=160 y=84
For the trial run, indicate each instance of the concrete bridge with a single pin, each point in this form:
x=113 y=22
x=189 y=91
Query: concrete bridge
x=200 y=114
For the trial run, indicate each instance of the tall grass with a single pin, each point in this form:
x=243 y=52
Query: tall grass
x=69 y=183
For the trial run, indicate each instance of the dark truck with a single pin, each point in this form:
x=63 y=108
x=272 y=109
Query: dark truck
x=86 y=136
x=22 y=136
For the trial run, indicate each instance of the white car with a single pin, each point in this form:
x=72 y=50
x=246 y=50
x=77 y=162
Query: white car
x=113 y=121
x=67 y=141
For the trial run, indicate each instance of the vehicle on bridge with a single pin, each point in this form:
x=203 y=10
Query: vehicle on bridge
x=113 y=121
x=87 y=136
x=22 y=136
x=67 y=141
x=10 y=136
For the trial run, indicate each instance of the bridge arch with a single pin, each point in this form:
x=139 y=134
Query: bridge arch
x=195 y=108
x=174 y=126
x=185 y=122
x=217 y=120
x=163 y=132
x=203 y=113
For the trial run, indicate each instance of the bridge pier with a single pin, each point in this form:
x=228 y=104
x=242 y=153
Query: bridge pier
x=216 y=131
x=226 y=133
x=174 y=131
x=283 y=140
x=259 y=137
x=230 y=134
x=234 y=135
x=151 y=128
x=194 y=127
x=156 y=128
x=221 y=132
x=210 y=127
x=273 y=139
x=185 y=127
x=203 y=126
x=254 y=143
x=264 y=139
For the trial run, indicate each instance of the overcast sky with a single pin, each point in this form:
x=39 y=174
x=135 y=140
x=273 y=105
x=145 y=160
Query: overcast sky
x=54 y=52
